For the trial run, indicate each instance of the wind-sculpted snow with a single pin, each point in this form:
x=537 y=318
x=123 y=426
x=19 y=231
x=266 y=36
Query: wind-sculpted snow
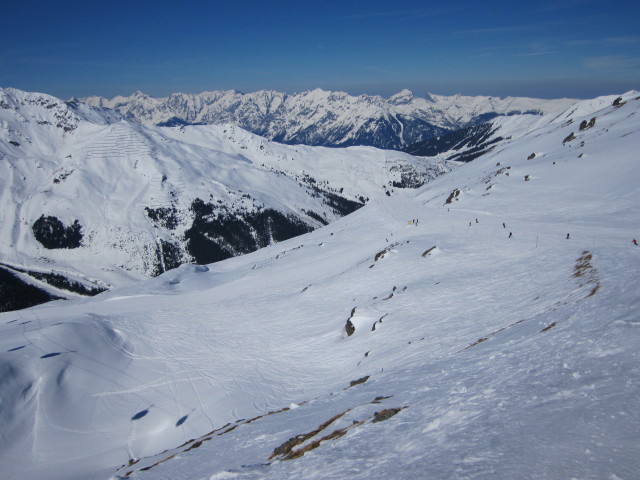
x=322 y=118
x=87 y=194
x=507 y=351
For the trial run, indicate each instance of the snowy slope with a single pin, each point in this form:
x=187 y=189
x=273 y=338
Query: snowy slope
x=319 y=117
x=484 y=357
x=146 y=199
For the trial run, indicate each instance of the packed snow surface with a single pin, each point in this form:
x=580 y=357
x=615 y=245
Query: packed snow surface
x=483 y=326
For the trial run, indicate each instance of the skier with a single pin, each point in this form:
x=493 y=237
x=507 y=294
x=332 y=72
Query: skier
x=634 y=241
x=504 y=225
x=510 y=234
x=567 y=237
x=476 y=220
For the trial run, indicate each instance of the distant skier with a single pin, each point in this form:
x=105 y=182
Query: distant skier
x=567 y=237
x=510 y=234
x=504 y=225
x=469 y=223
x=634 y=241
x=476 y=220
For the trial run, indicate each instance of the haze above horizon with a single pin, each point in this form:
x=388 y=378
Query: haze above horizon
x=548 y=49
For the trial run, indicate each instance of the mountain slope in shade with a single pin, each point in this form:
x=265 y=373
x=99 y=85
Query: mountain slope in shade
x=101 y=201
x=374 y=347
x=323 y=118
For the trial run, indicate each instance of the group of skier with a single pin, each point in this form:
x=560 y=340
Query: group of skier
x=504 y=225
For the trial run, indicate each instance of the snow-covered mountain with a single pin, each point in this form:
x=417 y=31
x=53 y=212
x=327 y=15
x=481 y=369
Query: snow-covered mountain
x=319 y=117
x=90 y=200
x=483 y=326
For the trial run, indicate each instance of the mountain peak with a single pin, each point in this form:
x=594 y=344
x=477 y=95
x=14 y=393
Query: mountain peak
x=402 y=97
x=139 y=94
x=405 y=92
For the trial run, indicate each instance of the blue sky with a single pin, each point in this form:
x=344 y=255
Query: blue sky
x=548 y=48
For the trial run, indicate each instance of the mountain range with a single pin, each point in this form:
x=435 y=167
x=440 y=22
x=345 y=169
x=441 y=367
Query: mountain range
x=92 y=200
x=483 y=325
x=324 y=118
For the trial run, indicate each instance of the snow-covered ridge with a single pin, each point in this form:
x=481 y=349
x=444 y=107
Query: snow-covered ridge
x=453 y=331
x=319 y=117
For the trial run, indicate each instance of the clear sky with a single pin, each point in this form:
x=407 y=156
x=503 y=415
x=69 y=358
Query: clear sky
x=547 y=48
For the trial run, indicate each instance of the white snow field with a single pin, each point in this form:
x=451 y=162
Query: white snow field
x=486 y=357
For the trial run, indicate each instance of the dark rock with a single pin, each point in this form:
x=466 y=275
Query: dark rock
x=385 y=414
x=584 y=125
x=453 y=195
x=379 y=255
x=428 y=251
x=349 y=328
x=359 y=381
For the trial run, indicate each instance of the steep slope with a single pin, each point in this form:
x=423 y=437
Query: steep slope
x=318 y=117
x=374 y=347
x=101 y=201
